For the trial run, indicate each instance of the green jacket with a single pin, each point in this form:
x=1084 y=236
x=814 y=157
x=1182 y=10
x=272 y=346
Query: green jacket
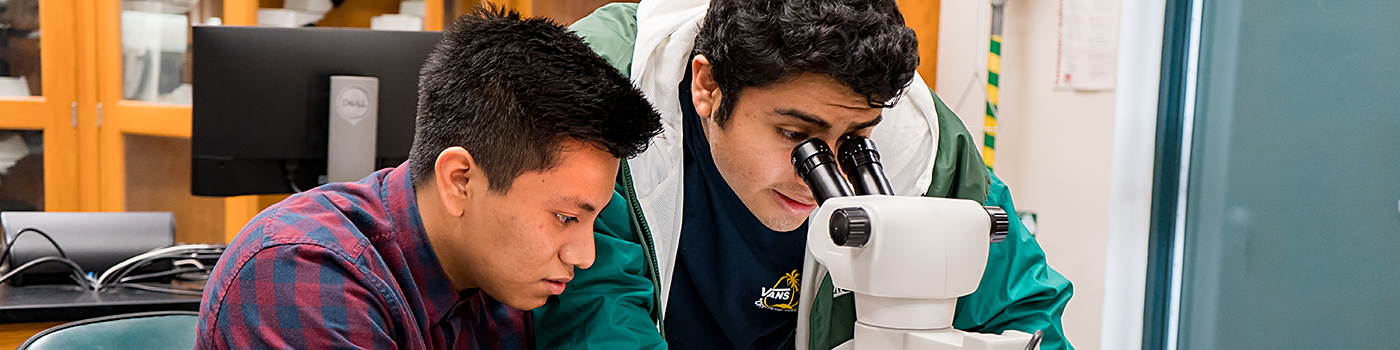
x=615 y=303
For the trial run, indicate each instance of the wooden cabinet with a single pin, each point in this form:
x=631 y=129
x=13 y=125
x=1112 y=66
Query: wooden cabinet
x=39 y=118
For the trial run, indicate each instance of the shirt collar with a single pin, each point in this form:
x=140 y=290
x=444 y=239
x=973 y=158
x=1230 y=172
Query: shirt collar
x=431 y=281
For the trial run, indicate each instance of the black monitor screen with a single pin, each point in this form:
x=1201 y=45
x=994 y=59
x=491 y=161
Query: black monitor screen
x=261 y=101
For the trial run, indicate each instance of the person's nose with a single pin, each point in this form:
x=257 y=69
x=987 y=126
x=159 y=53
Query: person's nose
x=579 y=250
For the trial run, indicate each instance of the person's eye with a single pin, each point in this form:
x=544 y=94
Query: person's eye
x=793 y=136
x=862 y=132
x=565 y=218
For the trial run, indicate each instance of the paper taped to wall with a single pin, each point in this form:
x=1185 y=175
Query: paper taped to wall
x=1088 y=45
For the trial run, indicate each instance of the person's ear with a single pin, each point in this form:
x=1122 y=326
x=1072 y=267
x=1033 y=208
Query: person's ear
x=458 y=178
x=704 y=91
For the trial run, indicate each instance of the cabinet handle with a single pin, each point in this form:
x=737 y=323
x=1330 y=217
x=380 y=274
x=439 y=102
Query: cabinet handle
x=99 y=115
x=73 y=109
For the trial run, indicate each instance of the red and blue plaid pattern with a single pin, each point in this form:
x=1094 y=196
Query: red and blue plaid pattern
x=347 y=266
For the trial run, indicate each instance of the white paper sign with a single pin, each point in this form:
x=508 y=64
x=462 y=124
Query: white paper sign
x=1088 y=48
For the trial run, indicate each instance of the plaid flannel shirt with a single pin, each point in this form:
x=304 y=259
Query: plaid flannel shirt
x=347 y=266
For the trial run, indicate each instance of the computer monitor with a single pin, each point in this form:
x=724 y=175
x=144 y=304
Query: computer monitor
x=261 y=101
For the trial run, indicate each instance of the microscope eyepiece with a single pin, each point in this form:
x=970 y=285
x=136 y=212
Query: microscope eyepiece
x=861 y=162
x=817 y=166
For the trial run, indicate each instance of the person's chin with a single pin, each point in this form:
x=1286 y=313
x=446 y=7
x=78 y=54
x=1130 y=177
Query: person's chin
x=526 y=303
x=782 y=221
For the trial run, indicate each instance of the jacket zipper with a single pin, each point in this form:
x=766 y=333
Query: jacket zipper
x=649 y=247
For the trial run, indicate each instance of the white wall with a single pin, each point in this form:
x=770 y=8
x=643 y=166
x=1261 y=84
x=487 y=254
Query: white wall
x=1075 y=158
x=1139 y=72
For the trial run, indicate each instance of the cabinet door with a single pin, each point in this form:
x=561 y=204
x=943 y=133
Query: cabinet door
x=38 y=106
x=143 y=108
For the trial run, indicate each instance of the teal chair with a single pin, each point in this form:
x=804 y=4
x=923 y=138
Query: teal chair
x=144 y=330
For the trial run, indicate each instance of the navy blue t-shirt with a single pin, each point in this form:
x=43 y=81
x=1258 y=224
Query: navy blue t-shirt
x=735 y=284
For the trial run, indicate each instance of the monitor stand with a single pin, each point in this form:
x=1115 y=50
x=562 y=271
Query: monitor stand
x=354 y=120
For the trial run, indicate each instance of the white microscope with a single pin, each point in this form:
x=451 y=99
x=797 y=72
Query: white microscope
x=906 y=259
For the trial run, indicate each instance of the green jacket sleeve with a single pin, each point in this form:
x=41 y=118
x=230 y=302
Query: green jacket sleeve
x=1018 y=290
x=609 y=305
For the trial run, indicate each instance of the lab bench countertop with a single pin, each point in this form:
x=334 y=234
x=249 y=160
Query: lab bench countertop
x=28 y=310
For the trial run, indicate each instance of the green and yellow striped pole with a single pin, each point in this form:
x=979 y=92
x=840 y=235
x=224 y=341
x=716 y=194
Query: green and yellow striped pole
x=989 y=124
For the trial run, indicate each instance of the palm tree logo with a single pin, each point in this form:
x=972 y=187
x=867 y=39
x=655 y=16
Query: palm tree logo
x=785 y=290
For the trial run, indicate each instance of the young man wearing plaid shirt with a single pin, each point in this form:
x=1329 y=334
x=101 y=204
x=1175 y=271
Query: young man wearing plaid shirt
x=518 y=137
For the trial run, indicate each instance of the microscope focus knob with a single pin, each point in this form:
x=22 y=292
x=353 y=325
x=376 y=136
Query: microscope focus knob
x=850 y=227
x=1001 y=224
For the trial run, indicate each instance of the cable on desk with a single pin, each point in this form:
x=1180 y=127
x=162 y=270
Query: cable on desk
x=11 y=244
x=184 y=251
x=162 y=274
x=117 y=274
x=77 y=270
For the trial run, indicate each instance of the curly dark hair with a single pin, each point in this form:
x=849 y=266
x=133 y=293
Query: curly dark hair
x=863 y=44
x=510 y=90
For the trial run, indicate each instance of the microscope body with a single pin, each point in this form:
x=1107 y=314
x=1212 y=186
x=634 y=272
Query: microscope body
x=907 y=259
x=922 y=253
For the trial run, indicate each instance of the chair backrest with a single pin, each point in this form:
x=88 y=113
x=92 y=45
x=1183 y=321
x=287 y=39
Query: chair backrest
x=144 y=330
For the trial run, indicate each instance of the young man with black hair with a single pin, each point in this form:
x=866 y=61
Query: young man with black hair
x=715 y=206
x=518 y=137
